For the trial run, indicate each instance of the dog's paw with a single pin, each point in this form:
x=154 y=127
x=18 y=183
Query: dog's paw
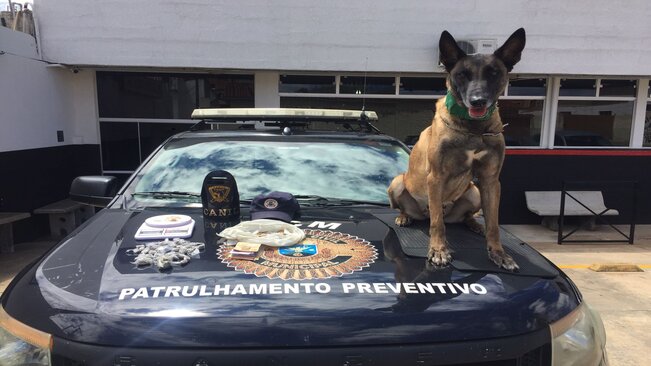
x=403 y=220
x=503 y=260
x=439 y=257
x=475 y=226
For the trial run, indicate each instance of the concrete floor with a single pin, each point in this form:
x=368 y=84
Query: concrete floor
x=24 y=254
x=622 y=299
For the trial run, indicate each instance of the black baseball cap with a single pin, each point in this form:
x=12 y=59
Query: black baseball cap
x=275 y=205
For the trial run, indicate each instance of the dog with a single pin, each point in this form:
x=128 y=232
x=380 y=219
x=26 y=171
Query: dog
x=464 y=142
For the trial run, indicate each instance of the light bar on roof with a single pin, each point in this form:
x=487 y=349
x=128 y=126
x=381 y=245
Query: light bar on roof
x=270 y=114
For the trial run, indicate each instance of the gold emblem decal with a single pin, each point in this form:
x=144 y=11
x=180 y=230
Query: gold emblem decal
x=322 y=254
x=219 y=194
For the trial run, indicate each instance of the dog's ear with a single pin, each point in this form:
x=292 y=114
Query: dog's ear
x=511 y=50
x=449 y=51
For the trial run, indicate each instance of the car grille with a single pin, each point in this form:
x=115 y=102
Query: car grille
x=540 y=356
x=530 y=349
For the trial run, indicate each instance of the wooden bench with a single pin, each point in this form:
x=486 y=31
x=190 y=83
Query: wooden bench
x=548 y=205
x=65 y=216
x=6 y=229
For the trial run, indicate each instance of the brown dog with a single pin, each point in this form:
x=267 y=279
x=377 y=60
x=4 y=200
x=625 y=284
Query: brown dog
x=464 y=142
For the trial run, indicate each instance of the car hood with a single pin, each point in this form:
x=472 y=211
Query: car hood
x=355 y=286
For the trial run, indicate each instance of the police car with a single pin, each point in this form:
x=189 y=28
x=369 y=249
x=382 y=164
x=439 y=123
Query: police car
x=355 y=291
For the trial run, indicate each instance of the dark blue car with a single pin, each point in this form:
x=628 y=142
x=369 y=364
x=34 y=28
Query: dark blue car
x=356 y=292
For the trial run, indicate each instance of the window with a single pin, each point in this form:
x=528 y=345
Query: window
x=527 y=87
x=169 y=96
x=524 y=119
x=578 y=87
x=419 y=87
x=403 y=119
x=422 y=86
x=522 y=108
x=154 y=134
x=138 y=111
x=406 y=113
x=588 y=115
x=225 y=91
x=617 y=88
x=587 y=112
x=120 y=147
x=134 y=95
x=370 y=84
x=306 y=84
x=593 y=123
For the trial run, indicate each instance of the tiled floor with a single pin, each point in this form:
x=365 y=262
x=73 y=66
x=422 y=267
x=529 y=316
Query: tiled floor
x=25 y=253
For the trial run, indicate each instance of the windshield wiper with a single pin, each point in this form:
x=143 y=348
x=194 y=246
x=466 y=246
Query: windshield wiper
x=167 y=194
x=330 y=201
x=345 y=202
x=310 y=197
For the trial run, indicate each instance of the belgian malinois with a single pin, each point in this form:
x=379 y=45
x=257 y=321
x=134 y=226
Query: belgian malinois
x=464 y=142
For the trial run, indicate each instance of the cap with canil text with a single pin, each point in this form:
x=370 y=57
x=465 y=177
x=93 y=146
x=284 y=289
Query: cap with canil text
x=275 y=205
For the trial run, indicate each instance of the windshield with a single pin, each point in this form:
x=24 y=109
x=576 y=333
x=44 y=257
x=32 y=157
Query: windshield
x=353 y=170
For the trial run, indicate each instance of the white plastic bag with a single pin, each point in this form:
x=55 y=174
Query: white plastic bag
x=268 y=232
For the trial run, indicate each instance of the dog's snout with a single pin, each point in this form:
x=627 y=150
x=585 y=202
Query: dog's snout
x=478 y=101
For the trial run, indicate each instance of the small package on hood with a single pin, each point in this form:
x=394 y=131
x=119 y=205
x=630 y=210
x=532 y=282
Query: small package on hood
x=273 y=233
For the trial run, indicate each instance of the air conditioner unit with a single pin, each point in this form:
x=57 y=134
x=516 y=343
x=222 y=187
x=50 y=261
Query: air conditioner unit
x=474 y=46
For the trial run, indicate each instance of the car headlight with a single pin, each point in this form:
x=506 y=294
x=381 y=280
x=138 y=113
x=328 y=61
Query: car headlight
x=21 y=344
x=579 y=339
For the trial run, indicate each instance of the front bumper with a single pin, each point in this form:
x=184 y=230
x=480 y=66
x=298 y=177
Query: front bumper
x=531 y=349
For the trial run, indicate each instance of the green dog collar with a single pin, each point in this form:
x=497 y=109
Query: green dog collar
x=462 y=112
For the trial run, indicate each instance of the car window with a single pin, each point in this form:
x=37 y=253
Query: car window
x=359 y=170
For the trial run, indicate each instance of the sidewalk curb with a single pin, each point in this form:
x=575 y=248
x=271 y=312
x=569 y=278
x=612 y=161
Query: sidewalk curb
x=615 y=267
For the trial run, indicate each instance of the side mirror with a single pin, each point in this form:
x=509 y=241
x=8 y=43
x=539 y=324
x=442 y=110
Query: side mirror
x=94 y=190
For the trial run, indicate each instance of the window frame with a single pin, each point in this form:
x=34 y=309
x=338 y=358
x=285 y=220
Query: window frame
x=335 y=78
x=551 y=100
x=544 y=98
x=338 y=94
x=639 y=113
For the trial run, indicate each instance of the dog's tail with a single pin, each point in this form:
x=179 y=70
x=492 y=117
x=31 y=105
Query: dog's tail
x=395 y=189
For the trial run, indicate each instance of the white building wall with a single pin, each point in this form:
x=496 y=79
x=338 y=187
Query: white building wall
x=591 y=37
x=17 y=43
x=38 y=99
x=33 y=97
x=82 y=126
